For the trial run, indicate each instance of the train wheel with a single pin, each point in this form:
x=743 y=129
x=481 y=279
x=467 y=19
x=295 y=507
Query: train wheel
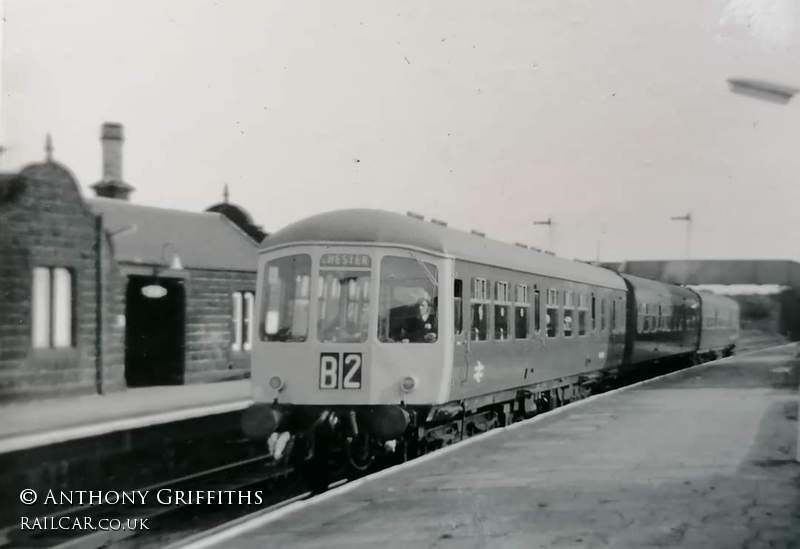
x=359 y=453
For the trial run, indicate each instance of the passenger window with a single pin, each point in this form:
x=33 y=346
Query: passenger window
x=479 y=304
x=568 y=313
x=551 y=318
x=501 y=307
x=583 y=309
x=613 y=323
x=457 y=304
x=521 y=307
x=602 y=314
x=594 y=314
x=537 y=320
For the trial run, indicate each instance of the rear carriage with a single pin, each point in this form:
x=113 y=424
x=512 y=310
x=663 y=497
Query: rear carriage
x=720 y=318
x=664 y=322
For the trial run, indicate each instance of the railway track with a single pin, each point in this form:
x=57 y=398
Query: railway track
x=174 y=524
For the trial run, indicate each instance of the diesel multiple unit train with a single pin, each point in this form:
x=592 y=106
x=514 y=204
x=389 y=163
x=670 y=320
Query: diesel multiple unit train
x=383 y=334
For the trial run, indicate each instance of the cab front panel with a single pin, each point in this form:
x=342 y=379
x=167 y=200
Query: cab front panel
x=331 y=331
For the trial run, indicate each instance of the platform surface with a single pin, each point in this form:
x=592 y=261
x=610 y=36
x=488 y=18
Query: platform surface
x=703 y=458
x=56 y=420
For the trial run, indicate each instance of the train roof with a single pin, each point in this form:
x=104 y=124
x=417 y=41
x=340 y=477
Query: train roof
x=645 y=286
x=381 y=227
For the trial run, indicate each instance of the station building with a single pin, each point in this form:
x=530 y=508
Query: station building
x=101 y=294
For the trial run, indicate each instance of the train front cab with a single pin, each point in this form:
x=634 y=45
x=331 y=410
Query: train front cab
x=340 y=334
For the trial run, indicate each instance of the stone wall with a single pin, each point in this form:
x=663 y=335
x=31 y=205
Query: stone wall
x=45 y=223
x=209 y=325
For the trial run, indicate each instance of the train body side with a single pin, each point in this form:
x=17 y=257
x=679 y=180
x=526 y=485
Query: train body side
x=720 y=324
x=575 y=328
x=663 y=322
x=295 y=363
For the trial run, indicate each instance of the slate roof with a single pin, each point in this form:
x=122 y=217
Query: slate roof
x=202 y=240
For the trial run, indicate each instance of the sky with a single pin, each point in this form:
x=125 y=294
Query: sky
x=608 y=117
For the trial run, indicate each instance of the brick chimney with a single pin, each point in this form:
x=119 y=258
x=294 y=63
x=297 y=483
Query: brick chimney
x=112 y=185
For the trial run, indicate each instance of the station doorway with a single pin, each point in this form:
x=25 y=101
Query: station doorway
x=154 y=331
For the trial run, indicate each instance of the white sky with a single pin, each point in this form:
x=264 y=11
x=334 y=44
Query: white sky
x=608 y=116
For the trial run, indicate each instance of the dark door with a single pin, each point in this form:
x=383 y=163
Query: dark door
x=154 y=333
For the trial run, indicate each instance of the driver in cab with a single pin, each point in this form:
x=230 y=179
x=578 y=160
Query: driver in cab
x=422 y=327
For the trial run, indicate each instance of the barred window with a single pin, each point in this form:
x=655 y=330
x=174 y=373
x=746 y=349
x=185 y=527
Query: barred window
x=52 y=305
x=242 y=319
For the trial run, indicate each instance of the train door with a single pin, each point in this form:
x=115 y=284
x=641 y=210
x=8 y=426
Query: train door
x=461 y=327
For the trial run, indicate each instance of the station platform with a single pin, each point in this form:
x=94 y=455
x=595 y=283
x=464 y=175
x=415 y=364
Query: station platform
x=701 y=458
x=40 y=423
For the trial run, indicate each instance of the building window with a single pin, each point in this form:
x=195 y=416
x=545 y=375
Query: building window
x=52 y=308
x=242 y=321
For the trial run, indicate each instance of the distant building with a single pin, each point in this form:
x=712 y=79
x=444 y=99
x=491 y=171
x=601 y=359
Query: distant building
x=60 y=329
x=239 y=216
x=100 y=294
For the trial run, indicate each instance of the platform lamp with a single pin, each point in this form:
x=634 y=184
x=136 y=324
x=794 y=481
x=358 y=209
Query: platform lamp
x=156 y=290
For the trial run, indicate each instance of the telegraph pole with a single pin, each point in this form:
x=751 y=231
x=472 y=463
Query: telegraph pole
x=688 y=219
x=549 y=223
